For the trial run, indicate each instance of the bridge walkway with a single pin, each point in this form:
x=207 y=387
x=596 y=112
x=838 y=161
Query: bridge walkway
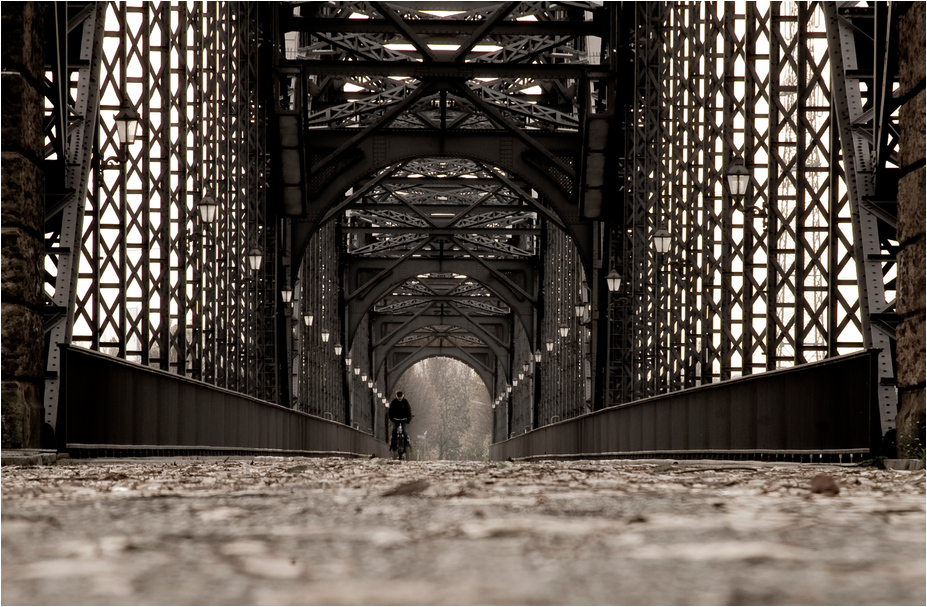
x=269 y=530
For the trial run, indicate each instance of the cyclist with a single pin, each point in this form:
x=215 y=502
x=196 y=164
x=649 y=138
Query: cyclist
x=399 y=412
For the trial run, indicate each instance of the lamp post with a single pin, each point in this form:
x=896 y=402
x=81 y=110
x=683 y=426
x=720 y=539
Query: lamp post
x=126 y=124
x=255 y=259
x=738 y=178
x=207 y=208
x=613 y=281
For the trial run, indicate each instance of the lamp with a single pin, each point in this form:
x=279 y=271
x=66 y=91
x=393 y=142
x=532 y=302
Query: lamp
x=308 y=318
x=347 y=360
x=338 y=349
x=525 y=366
x=521 y=375
x=370 y=383
x=508 y=388
x=579 y=308
x=363 y=377
x=662 y=241
x=325 y=335
x=356 y=370
x=126 y=124
x=255 y=258
x=550 y=345
x=613 y=281
x=738 y=177
x=515 y=383
x=207 y=207
x=537 y=355
x=286 y=294
x=564 y=330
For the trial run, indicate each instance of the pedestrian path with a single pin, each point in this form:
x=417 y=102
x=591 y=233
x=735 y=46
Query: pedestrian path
x=372 y=531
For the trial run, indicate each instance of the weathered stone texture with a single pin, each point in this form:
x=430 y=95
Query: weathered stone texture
x=23 y=329
x=23 y=36
x=22 y=414
x=912 y=123
x=23 y=187
x=910 y=423
x=911 y=348
x=912 y=202
x=911 y=270
x=912 y=366
x=21 y=267
x=912 y=51
x=22 y=116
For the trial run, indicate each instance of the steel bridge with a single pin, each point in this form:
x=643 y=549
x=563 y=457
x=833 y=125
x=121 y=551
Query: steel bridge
x=319 y=195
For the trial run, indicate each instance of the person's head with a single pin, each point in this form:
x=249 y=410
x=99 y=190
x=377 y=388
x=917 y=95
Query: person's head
x=399 y=395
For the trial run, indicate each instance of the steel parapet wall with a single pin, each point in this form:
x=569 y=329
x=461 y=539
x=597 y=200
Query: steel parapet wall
x=822 y=408
x=111 y=404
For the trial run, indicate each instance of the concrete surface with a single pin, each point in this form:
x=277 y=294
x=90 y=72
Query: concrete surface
x=341 y=531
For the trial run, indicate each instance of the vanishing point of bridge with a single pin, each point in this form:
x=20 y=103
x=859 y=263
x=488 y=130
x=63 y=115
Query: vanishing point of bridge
x=650 y=228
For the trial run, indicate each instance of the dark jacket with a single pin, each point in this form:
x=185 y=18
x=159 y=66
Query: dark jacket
x=400 y=409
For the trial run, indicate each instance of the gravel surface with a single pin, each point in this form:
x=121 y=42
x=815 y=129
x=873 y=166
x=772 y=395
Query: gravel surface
x=371 y=531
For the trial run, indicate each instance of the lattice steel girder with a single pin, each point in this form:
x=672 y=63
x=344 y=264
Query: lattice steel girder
x=387 y=329
x=400 y=327
x=497 y=149
x=438 y=27
x=367 y=281
x=481 y=360
x=77 y=114
x=462 y=71
x=864 y=75
x=752 y=283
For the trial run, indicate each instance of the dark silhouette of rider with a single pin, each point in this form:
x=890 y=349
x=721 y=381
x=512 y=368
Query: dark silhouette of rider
x=399 y=409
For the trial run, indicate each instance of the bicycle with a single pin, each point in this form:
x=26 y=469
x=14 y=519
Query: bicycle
x=402 y=438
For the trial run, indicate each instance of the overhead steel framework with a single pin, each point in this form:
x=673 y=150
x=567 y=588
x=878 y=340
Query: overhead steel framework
x=456 y=179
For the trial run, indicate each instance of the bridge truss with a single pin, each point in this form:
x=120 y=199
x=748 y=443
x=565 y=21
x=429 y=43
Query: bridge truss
x=457 y=179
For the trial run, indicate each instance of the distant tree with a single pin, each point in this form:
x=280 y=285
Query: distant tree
x=451 y=404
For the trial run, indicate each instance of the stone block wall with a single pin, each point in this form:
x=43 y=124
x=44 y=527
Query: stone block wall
x=22 y=368
x=911 y=345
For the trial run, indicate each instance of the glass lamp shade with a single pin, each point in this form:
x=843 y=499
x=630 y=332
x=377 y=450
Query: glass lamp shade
x=255 y=259
x=286 y=295
x=515 y=383
x=564 y=330
x=308 y=318
x=537 y=355
x=325 y=335
x=126 y=124
x=207 y=208
x=521 y=376
x=662 y=241
x=550 y=345
x=370 y=383
x=508 y=388
x=348 y=360
x=338 y=348
x=356 y=370
x=738 y=178
x=363 y=377
x=613 y=281
x=579 y=309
